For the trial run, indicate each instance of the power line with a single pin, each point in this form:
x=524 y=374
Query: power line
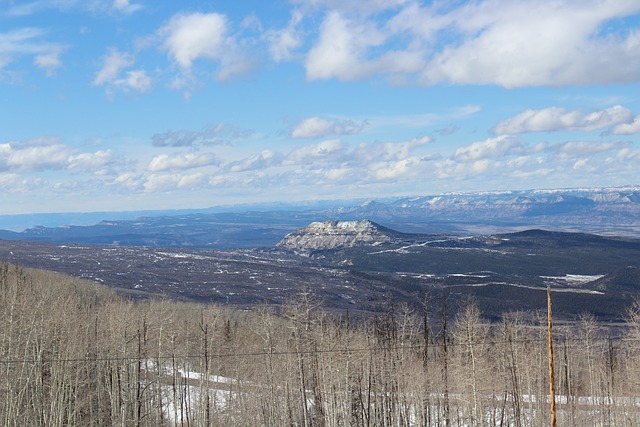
x=137 y=358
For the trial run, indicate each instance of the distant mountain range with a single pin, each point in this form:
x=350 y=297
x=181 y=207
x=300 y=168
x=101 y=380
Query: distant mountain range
x=604 y=211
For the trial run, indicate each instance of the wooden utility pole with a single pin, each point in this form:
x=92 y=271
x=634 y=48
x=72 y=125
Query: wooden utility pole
x=552 y=387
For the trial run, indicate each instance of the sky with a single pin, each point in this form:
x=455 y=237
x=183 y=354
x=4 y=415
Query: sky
x=116 y=105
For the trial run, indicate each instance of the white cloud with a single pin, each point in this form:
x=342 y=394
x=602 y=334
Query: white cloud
x=48 y=153
x=504 y=42
x=627 y=128
x=328 y=151
x=21 y=184
x=192 y=180
x=190 y=37
x=539 y=172
x=174 y=181
x=50 y=60
x=491 y=148
x=8 y=180
x=161 y=183
x=543 y=43
x=282 y=42
x=235 y=63
x=353 y=43
x=389 y=151
x=137 y=80
x=341 y=49
x=111 y=73
x=332 y=160
x=400 y=150
x=129 y=181
x=579 y=148
x=316 y=127
x=30 y=42
x=164 y=162
x=557 y=119
x=480 y=166
x=193 y=36
x=98 y=163
x=125 y=6
x=340 y=174
x=395 y=170
x=113 y=62
x=20 y=41
x=34 y=155
x=263 y=160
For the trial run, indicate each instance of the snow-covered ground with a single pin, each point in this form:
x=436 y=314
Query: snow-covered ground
x=186 y=399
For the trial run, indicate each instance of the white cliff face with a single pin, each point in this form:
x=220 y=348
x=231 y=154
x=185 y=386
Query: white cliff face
x=336 y=234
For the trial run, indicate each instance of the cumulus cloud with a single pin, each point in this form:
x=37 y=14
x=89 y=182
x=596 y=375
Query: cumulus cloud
x=48 y=153
x=557 y=119
x=330 y=150
x=111 y=73
x=173 y=181
x=316 y=127
x=263 y=160
x=341 y=174
x=165 y=162
x=344 y=51
x=334 y=161
x=341 y=48
x=627 y=128
x=500 y=146
x=389 y=151
x=193 y=36
x=508 y=43
x=188 y=38
x=544 y=43
x=394 y=170
x=129 y=181
x=34 y=155
x=99 y=163
x=19 y=183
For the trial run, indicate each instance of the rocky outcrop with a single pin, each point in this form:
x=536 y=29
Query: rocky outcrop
x=338 y=234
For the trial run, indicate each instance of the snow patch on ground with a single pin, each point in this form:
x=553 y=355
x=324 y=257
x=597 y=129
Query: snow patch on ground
x=573 y=278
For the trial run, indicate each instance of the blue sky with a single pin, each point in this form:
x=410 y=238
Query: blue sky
x=140 y=104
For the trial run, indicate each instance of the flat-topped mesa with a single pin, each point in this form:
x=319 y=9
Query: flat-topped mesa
x=337 y=234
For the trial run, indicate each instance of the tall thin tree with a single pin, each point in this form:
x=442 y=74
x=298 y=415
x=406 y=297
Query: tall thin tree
x=552 y=387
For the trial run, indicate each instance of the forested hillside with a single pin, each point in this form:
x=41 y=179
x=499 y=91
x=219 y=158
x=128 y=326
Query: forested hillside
x=73 y=353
